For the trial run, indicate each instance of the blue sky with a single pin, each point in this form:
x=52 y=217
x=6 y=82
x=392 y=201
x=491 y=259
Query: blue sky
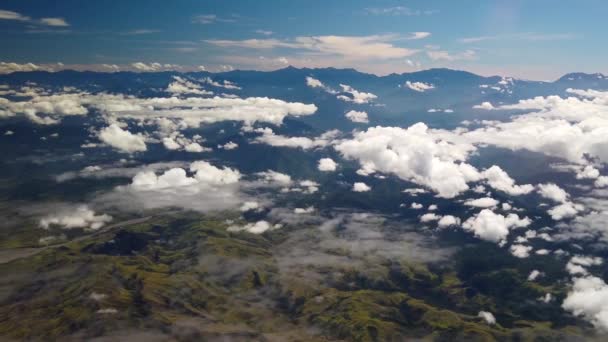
x=536 y=39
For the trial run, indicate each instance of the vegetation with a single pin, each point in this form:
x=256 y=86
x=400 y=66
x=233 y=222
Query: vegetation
x=189 y=278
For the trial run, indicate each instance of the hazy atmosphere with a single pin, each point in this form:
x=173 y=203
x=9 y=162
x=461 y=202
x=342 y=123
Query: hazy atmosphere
x=303 y=170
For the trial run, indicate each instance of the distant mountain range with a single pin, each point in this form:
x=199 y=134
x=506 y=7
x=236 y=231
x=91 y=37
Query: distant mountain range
x=440 y=97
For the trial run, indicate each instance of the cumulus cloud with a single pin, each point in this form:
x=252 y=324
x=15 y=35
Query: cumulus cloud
x=361 y=187
x=484 y=106
x=565 y=210
x=308 y=210
x=250 y=205
x=486 y=202
x=498 y=179
x=357 y=116
x=415 y=154
x=9 y=67
x=420 y=87
x=258 y=227
x=80 y=217
x=191 y=111
x=122 y=140
x=553 y=192
x=327 y=165
x=270 y=138
x=355 y=96
x=520 y=251
x=184 y=86
x=488 y=317
x=588 y=299
x=274 y=178
x=493 y=227
x=533 y=275
x=229 y=146
x=429 y=217
x=577 y=264
x=572 y=128
x=202 y=187
x=448 y=221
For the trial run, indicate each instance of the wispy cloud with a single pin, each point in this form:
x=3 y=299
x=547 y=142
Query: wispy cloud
x=207 y=19
x=10 y=15
x=527 y=36
x=397 y=10
x=15 y=16
x=419 y=35
x=57 y=22
x=352 y=47
x=264 y=32
x=140 y=32
x=442 y=55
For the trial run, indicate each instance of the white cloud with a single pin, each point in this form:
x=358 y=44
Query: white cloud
x=588 y=172
x=183 y=86
x=565 y=210
x=571 y=128
x=10 y=15
x=448 y=221
x=601 y=182
x=500 y=180
x=489 y=226
x=419 y=86
x=206 y=19
x=209 y=188
x=122 y=140
x=9 y=67
x=356 y=96
x=577 y=264
x=533 y=275
x=270 y=138
x=429 y=217
x=520 y=251
x=191 y=111
x=416 y=206
x=374 y=47
x=588 y=298
x=229 y=146
x=255 y=228
x=487 y=317
x=250 y=205
x=553 y=192
x=528 y=36
x=195 y=147
x=56 y=22
x=314 y=83
x=415 y=154
x=274 y=178
x=171 y=144
x=361 y=187
x=80 y=217
x=327 y=165
x=356 y=116
x=442 y=55
x=419 y=35
x=52 y=22
x=308 y=210
x=485 y=202
x=223 y=84
x=485 y=106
